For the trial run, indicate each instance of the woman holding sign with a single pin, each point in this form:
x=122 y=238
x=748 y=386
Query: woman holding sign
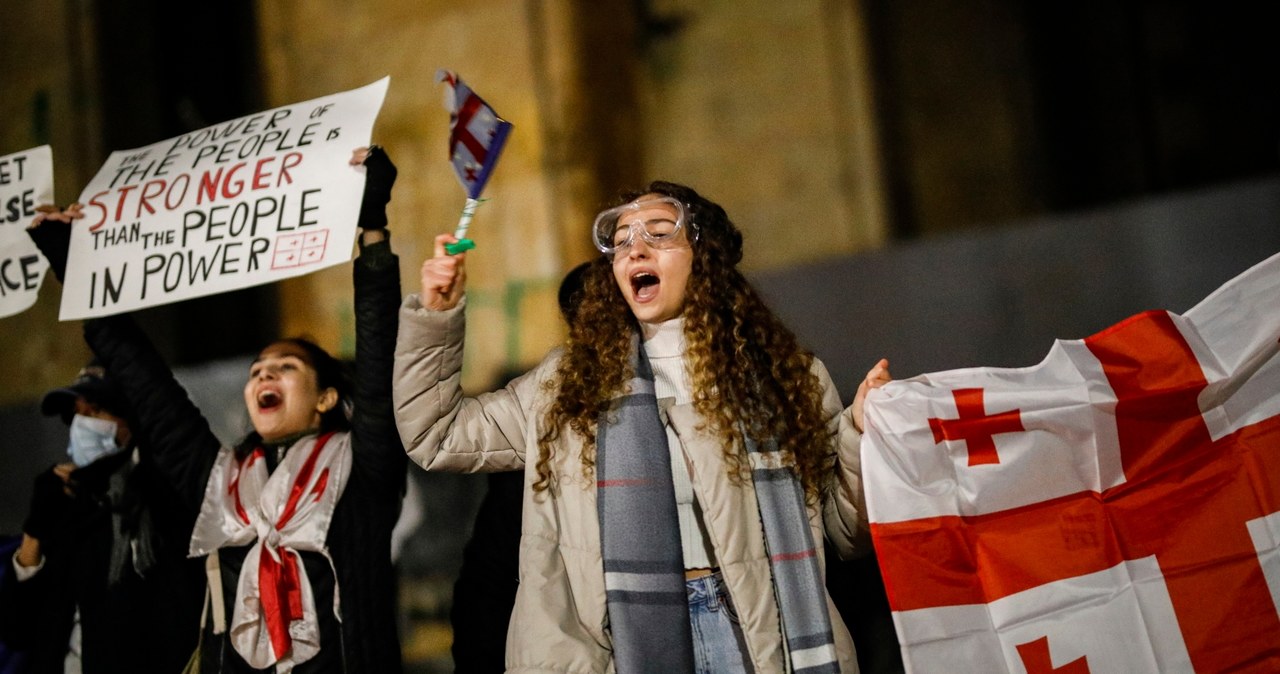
x=683 y=456
x=295 y=521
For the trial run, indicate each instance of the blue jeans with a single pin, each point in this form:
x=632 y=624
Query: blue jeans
x=718 y=646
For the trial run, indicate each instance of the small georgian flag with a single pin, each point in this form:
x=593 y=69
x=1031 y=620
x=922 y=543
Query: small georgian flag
x=476 y=134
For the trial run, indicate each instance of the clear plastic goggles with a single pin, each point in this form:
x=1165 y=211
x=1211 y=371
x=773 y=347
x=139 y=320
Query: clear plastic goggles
x=657 y=220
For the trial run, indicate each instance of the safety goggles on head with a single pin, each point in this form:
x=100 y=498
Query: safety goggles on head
x=657 y=220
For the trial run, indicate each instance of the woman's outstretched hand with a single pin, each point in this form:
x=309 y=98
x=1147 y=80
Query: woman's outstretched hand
x=444 y=277
x=51 y=232
x=878 y=376
x=380 y=176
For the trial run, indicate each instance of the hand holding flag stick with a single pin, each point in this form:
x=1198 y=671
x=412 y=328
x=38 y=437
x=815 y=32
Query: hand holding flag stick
x=476 y=138
x=463 y=244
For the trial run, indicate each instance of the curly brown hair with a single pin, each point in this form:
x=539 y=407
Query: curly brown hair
x=748 y=372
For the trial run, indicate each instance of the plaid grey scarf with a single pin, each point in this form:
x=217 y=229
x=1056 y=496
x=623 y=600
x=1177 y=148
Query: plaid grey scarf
x=640 y=533
x=793 y=561
x=640 y=541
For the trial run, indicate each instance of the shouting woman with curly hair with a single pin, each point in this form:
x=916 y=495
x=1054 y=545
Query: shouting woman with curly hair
x=684 y=456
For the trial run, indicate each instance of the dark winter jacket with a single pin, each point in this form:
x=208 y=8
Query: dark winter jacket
x=145 y=623
x=485 y=592
x=359 y=538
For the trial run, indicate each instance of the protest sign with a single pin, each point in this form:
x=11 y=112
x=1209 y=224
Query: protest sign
x=26 y=181
x=249 y=201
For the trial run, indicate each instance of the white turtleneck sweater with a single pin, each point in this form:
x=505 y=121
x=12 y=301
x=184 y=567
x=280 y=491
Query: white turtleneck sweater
x=672 y=384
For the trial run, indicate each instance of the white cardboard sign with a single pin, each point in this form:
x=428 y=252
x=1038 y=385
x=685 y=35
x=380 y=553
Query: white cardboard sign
x=26 y=181
x=250 y=201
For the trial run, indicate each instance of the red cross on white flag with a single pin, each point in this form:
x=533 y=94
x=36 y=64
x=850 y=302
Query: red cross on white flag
x=476 y=134
x=1115 y=508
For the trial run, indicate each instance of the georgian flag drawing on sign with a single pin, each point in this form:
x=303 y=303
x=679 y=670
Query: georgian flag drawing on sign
x=1115 y=508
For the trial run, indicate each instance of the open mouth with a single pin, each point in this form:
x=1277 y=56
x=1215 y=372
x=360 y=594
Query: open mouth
x=644 y=285
x=269 y=400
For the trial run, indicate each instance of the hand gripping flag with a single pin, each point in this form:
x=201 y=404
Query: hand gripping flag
x=1115 y=508
x=476 y=137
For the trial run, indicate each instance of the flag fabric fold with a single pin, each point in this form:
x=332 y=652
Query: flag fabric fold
x=1114 y=508
x=476 y=134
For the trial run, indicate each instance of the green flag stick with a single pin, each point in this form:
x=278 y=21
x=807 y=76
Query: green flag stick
x=463 y=243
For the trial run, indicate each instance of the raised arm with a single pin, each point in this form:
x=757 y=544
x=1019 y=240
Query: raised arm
x=169 y=427
x=376 y=276
x=441 y=429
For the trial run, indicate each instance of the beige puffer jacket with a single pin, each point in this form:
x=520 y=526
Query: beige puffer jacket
x=559 y=623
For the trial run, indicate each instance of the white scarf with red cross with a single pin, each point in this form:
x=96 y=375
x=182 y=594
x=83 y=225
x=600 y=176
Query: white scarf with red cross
x=279 y=514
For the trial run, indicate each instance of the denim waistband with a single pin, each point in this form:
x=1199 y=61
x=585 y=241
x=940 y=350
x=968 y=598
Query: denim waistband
x=707 y=589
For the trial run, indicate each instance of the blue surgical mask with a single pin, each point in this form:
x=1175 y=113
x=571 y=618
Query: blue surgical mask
x=91 y=439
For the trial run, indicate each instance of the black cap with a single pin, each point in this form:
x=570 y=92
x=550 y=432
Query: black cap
x=91 y=384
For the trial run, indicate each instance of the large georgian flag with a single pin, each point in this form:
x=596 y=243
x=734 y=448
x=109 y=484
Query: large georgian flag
x=1115 y=508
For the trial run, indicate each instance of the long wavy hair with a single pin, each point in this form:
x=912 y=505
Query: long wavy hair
x=748 y=372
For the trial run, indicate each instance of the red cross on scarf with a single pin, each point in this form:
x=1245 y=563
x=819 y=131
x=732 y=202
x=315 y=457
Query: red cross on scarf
x=278 y=575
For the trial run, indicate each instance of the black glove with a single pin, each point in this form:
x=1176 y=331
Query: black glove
x=50 y=506
x=379 y=177
x=53 y=238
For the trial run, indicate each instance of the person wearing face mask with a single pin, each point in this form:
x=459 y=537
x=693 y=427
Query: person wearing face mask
x=683 y=456
x=105 y=536
x=295 y=521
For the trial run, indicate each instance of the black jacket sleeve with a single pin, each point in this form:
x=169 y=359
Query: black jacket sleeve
x=36 y=615
x=379 y=456
x=165 y=421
